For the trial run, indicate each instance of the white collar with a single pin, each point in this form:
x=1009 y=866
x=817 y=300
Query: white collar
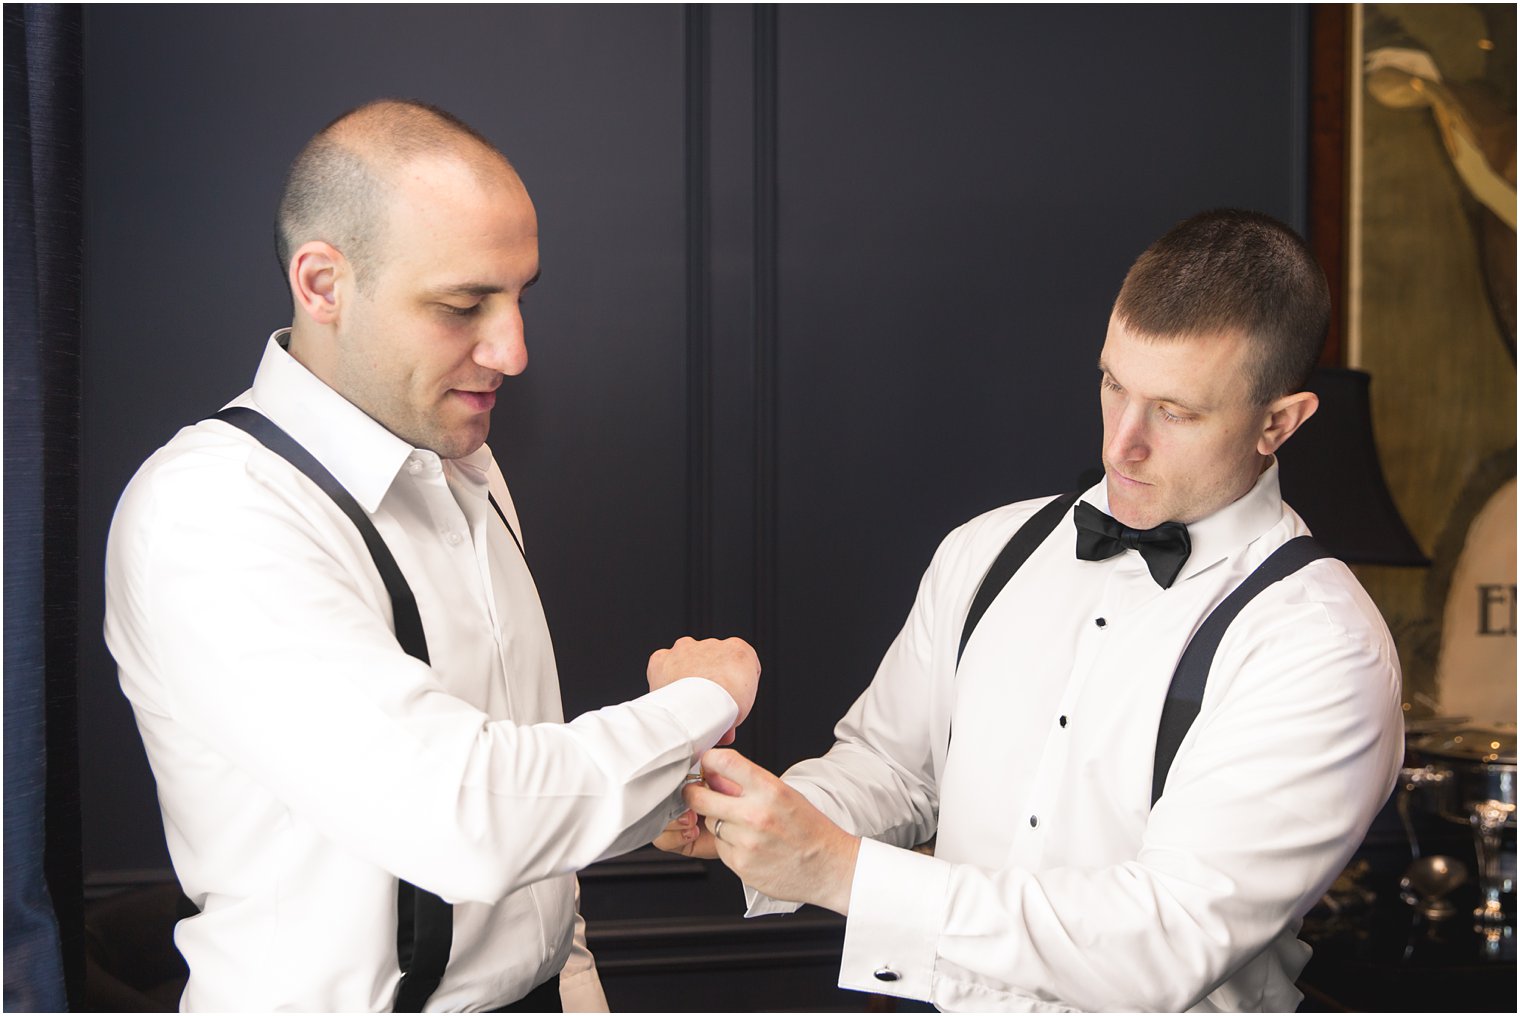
x=1234 y=526
x=359 y=452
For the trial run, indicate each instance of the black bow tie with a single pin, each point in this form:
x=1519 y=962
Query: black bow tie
x=1164 y=548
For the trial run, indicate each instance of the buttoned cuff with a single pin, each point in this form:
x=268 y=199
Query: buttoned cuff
x=897 y=908
x=582 y=992
x=702 y=707
x=706 y=711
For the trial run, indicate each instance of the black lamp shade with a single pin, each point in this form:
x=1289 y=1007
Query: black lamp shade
x=1331 y=476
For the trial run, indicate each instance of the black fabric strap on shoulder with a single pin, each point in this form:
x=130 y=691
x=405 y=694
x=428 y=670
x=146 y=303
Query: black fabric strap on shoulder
x=424 y=922
x=403 y=604
x=1013 y=555
x=503 y=516
x=1185 y=695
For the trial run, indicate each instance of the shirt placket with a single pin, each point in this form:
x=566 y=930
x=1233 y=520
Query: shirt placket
x=461 y=519
x=476 y=513
x=455 y=536
x=481 y=518
x=1127 y=587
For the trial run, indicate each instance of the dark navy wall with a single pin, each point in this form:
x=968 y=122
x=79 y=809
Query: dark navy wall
x=819 y=283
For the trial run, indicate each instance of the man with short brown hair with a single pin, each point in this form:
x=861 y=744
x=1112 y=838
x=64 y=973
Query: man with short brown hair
x=1145 y=729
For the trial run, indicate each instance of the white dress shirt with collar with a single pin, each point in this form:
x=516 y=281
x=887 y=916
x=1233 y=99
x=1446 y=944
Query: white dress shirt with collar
x=304 y=761
x=1054 y=885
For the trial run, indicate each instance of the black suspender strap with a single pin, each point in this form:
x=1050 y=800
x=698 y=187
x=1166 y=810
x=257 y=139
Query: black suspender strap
x=1013 y=555
x=403 y=604
x=1185 y=695
x=425 y=923
x=503 y=516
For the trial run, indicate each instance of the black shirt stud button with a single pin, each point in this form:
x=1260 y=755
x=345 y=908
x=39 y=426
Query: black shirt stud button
x=886 y=974
x=1034 y=821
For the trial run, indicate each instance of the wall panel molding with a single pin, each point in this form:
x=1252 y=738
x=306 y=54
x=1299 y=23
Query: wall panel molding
x=699 y=505
x=767 y=258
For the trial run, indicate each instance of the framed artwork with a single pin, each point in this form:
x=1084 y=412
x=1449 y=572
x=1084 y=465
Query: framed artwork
x=1429 y=313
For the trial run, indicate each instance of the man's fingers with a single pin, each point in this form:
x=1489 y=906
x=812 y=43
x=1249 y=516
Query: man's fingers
x=709 y=803
x=730 y=663
x=729 y=777
x=729 y=765
x=679 y=833
x=723 y=785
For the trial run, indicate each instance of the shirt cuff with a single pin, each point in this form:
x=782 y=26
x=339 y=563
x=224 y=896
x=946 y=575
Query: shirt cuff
x=582 y=992
x=897 y=908
x=701 y=706
x=757 y=904
x=705 y=711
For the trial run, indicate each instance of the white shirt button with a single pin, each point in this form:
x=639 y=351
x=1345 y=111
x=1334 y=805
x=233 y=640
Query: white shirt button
x=454 y=539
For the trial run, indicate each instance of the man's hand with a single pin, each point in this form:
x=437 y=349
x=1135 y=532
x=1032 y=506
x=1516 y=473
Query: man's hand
x=770 y=835
x=689 y=836
x=729 y=663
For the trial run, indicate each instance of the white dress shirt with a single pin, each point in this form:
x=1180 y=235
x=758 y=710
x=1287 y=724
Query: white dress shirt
x=304 y=762
x=1054 y=885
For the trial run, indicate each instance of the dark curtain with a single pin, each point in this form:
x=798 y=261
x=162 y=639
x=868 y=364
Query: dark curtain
x=43 y=177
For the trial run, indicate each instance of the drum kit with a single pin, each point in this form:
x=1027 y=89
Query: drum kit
x=1460 y=773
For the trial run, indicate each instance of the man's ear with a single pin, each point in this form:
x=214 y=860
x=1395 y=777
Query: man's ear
x=315 y=271
x=1284 y=416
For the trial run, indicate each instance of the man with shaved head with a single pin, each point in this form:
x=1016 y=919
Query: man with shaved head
x=326 y=625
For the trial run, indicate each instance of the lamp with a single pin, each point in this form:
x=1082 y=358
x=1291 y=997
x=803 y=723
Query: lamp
x=1330 y=474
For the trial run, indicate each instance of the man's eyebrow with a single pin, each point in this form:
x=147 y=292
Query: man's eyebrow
x=476 y=288
x=467 y=289
x=1179 y=403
